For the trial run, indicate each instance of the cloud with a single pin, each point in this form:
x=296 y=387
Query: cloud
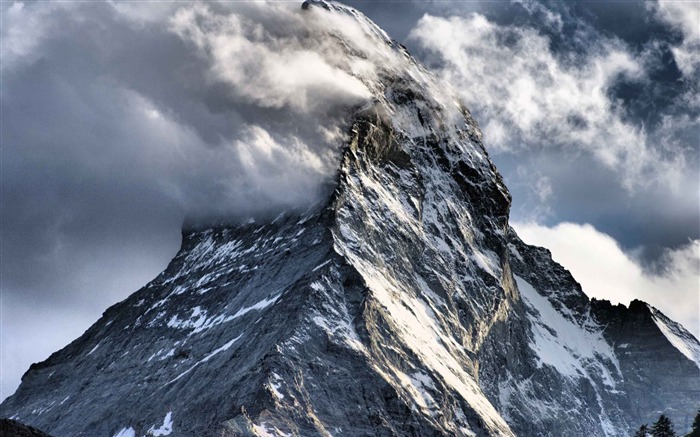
x=24 y=343
x=551 y=19
x=233 y=110
x=121 y=119
x=605 y=271
x=685 y=18
x=528 y=97
x=276 y=66
x=23 y=29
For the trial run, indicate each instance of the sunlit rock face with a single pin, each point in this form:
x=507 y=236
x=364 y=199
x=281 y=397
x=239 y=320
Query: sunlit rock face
x=403 y=305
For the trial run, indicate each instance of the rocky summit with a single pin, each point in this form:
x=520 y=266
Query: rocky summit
x=403 y=305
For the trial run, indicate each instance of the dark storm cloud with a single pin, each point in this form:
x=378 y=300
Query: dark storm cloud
x=575 y=188
x=126 y=107
x=120 y=120
x=106 y=110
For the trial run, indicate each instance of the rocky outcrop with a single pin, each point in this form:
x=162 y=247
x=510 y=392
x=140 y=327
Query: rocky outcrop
x=403 y=306
x=654 y=367
x=12 y=428
x=612 y=362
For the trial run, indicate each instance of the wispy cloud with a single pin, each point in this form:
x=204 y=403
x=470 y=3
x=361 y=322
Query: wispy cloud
x=528 y=97
x=684 y=16
x=282 y=59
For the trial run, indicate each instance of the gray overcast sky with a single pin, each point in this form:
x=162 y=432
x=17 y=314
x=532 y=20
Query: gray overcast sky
x=119 y=119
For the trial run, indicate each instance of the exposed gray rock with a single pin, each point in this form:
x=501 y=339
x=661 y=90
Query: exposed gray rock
x=403 y=306
x=654 y=368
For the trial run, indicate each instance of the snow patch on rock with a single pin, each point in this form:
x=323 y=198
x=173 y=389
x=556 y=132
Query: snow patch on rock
x=561 y=343
x=678 y=336
x=126 y=432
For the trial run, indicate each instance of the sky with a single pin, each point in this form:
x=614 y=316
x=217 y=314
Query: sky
x=121 y=119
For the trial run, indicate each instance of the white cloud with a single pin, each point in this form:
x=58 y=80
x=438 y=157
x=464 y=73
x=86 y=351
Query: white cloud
x=605 y=271
x=685 y=17
x=300 y=68
x=23 y=29
x=526 y=97
x=550 y=18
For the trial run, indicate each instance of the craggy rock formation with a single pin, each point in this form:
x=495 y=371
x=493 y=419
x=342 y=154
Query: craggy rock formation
x=12 y=428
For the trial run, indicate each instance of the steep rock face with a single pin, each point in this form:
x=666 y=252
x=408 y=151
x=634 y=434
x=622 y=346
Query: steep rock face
x=405 y=305
x=620 y=367
x=548 y=366
x=658 y=358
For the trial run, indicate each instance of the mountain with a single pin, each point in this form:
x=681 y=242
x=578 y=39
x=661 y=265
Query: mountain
x=404 y=305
